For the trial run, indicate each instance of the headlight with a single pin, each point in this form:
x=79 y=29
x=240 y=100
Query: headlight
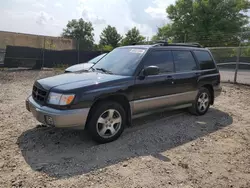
x=60 y=99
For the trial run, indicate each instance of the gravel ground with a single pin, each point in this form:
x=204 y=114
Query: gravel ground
x=167 y=149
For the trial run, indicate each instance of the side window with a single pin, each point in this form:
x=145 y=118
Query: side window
x=162 y=59
x=205 y=60
x=184 y=61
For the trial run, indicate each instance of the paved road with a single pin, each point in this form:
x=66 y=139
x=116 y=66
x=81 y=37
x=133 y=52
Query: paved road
x=228 y=75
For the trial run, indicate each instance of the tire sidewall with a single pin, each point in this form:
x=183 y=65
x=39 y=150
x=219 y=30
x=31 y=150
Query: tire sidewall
x=97 y=112
x=202 y=90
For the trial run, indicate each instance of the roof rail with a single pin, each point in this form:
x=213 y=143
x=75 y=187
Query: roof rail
x=153 y=43
x=187 y=44
x=165 y=43
x=160 y=43
x=157 y=44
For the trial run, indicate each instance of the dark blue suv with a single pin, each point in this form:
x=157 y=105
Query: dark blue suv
x=128 y=81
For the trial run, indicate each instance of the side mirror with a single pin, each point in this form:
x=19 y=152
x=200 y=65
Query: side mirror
x=151 y=70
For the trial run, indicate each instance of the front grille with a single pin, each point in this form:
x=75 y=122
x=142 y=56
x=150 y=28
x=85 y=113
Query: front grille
x=39 y=95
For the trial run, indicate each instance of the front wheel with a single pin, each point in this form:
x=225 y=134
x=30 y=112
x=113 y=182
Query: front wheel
x=202 y=102
x=107 y=122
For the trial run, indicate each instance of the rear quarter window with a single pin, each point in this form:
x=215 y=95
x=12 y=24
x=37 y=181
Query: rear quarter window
x=205 y=60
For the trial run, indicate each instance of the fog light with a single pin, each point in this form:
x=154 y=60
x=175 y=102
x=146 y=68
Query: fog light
x=49 y=120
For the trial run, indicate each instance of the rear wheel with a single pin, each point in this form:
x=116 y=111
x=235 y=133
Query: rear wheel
x=107 y=122
x=202 y=102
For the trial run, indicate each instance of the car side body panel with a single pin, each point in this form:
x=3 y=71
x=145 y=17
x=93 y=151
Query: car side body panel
x=89 y=96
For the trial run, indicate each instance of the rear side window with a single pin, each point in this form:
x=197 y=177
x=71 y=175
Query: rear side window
x=162 y=59
x=205 y=60
x=184 y=61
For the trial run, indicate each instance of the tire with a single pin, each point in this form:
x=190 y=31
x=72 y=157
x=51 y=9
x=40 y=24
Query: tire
x=203 y=98
x=102 y=126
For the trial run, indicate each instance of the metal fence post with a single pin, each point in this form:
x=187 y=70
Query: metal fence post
x=78 y=55
x=238 y=60
x=43 y=52
x=237 y=66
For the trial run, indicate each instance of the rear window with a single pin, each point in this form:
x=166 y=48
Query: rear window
x=205 y=60
x=184 y=61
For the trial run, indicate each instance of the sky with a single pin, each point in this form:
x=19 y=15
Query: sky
x=49 y=17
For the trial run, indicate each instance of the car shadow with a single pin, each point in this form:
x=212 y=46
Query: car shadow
x=66 y=153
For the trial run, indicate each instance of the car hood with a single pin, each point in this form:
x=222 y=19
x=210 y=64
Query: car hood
x=71 y=81
x=79 y=67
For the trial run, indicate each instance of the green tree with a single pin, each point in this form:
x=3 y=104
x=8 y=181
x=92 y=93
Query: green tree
x=107 y=48
x=133 y=36
x=110 y=37
x=82 y=32
x=164 y=33
x=209 y=22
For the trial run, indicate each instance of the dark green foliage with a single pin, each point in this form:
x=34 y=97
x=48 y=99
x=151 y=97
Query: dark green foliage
x=82 y=32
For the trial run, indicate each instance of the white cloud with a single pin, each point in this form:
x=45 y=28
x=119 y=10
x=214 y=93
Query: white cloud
x=49 y=18
x=115 y=14
x=24 y=1
x=156 y=12
x=42 y=1
x=38 y=5
x=43 y=18
x=159 y=8
x=58 y=5
x=88 y=15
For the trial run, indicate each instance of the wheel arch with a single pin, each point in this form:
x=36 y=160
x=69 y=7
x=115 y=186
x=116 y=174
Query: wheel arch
x=211 y=90
x=119 y=98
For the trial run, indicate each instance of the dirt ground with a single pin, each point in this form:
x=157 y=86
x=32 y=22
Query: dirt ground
x=167 y=149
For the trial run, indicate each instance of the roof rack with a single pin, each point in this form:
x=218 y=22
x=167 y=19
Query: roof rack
x=187 y=44
x=165 y=43
x=197 y=45
x=160 y=43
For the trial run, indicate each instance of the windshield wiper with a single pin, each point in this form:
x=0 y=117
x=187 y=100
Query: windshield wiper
x=104 y=70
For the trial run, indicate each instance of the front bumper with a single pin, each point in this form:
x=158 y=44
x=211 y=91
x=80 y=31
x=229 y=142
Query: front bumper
x=58 y=118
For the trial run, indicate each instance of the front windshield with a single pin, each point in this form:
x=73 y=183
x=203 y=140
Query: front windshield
x=96 y=59
x=121 y=61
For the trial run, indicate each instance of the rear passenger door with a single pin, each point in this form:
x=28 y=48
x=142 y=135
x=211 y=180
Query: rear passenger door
x=209 y=73
x=186 y=75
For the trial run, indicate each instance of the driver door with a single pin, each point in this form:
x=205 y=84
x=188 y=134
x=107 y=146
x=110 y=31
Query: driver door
x=150 y=92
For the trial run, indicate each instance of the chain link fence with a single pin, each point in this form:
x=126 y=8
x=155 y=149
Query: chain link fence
x=40 y=51
x=233 y=63
x=45 y=52
x=2 y=56
x=37 y=58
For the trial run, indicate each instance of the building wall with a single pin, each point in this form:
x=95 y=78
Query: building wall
x=35 y=41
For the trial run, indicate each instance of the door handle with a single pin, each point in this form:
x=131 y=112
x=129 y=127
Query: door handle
x=170 y=79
